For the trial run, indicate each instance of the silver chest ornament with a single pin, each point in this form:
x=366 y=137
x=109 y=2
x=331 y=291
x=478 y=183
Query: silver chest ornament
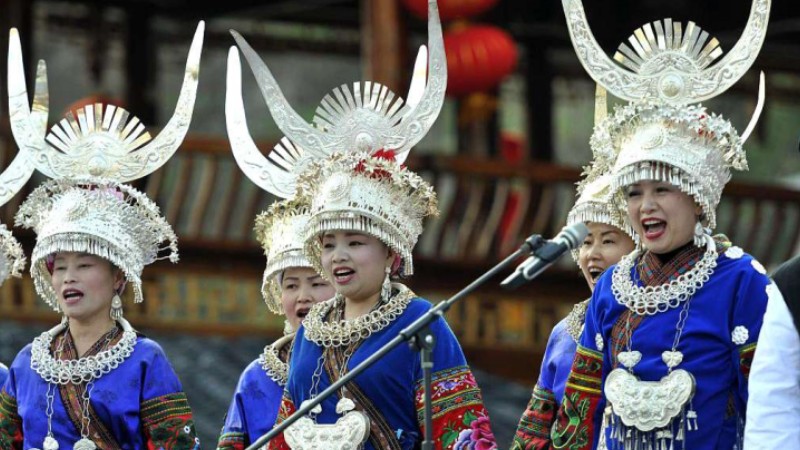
x=350 y=432
x=51 y=444
x=648 y=405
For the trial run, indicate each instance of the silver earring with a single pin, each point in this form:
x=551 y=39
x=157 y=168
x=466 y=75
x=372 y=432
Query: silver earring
x=699 y=235
x=116 y=307
x=287 y=328
x=386 y=288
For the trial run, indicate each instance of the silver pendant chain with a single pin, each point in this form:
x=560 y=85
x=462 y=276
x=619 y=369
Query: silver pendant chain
x=328 y=350
x=672 y=357
x=71 y=374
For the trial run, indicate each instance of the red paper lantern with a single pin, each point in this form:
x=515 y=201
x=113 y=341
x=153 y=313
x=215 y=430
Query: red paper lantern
x=450 y=9
x=478 y=58
x=91 y=100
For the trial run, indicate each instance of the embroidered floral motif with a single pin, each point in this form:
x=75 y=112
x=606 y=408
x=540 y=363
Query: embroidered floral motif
x=168 y=423
x=287 y=409
x=740 y=335
x=598 y=341
x=231 y=441
x=10 y=422
x=746 y=359
x=459 y=418
x=734 y=252
x=759 y=268
x=533 y=431
x=574 y=424
x=478 y=436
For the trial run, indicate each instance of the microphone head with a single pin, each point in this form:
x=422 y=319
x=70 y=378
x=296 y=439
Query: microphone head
x=573 y=235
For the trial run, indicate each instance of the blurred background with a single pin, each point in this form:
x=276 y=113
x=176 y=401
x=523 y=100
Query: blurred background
x=503 y=157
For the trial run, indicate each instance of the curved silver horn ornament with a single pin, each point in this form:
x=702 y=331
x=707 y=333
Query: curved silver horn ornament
x=368 y=118
x=101 y=141
x=668 y=62
x=275 y=174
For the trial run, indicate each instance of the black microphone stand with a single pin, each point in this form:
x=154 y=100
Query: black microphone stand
x=419 y=336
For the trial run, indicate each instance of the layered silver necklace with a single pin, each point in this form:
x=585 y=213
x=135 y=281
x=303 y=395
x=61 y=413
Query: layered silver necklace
x=86 y=370
x=643 y=414
x=651 y=300
x=271 y=362
x=576 y=320
x=339 y=333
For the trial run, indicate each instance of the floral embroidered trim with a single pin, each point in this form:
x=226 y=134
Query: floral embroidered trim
x=164 y=408
x=574 y=424
x=231 y=441
x=344 y=332
x=586 y=371
x=533 y=431
x=286 y=409
x=168 y=422
x=576 y=319
x=477 y=433
x=453 y=389
x=10 y=422
x=740 y=335
x=459 y=418
x=746 y=354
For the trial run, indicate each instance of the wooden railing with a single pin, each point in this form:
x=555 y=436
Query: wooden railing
x=488 y=208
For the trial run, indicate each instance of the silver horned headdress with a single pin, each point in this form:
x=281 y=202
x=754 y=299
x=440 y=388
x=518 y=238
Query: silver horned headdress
x=14 y=177
x=366 y=119
x=90 y=155
x=662 y=135
x=361 y=122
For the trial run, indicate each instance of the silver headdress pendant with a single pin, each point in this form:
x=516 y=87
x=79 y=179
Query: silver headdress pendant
x=368 y=118
x=90 y=155
x=663 y=70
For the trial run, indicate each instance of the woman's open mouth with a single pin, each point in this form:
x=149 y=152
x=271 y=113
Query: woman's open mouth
x=302 y=312
x=71 y=296
x=343 y=275
x=653 y=228
x=595 y=272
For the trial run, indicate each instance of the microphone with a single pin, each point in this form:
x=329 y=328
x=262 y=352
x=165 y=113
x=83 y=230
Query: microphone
x=543 y=257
